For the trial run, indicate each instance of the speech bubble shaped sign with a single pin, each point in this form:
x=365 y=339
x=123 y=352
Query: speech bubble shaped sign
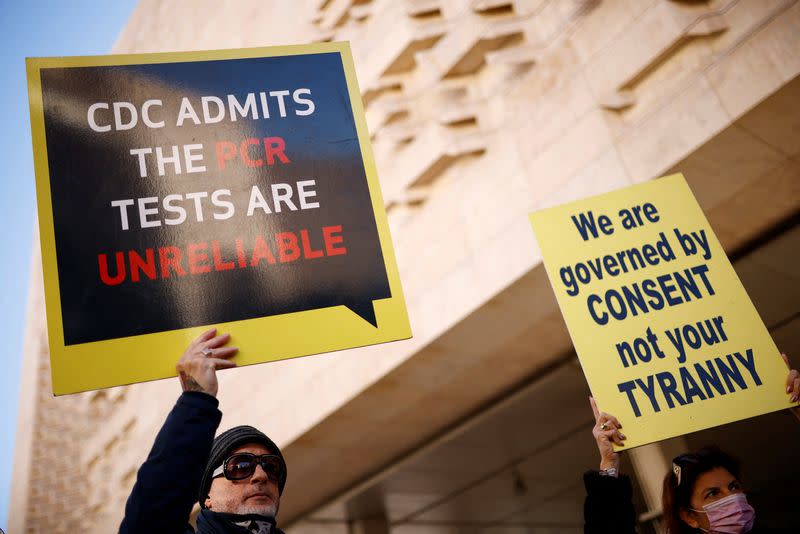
x=199 y=189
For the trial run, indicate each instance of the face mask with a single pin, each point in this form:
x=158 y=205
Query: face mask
x=730 y=515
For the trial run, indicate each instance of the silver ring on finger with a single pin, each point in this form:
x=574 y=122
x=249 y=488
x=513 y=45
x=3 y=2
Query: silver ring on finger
x=604 y=426
x=207 y=352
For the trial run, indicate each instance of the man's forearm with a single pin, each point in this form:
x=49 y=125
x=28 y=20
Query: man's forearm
x=167 y=483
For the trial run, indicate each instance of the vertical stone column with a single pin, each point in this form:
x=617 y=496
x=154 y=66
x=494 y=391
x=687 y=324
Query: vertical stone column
x=370 y=510
x=650 y=464
x=370 y=525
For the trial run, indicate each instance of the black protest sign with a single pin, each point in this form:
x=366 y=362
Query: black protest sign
x=201 y=192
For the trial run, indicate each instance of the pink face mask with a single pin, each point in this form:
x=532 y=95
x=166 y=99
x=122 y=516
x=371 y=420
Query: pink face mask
x=730 y=515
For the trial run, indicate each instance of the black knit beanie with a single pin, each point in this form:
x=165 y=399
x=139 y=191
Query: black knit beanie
x=225 y=444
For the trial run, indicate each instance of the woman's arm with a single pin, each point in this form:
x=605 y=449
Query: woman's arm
x=609 y=496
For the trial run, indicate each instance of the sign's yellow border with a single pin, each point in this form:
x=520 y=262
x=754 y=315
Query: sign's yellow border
x=147 y=357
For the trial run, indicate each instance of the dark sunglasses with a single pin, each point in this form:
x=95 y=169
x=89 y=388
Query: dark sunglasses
x=243 y=464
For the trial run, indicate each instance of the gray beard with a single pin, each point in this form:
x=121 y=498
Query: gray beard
x=268 y=510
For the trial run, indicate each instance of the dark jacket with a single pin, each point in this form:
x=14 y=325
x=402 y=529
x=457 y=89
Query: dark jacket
x=167 y=483
x=608 y=508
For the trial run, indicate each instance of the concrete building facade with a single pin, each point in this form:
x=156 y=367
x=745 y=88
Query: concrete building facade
x=480 y=111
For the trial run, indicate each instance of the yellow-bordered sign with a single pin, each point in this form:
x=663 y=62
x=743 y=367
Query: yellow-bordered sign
x=667 y=337
x=230 y=188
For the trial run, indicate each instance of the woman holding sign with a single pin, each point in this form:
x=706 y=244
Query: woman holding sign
x=702 y=492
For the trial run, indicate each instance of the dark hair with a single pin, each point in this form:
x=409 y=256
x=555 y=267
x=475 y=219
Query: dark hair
x=679 y=483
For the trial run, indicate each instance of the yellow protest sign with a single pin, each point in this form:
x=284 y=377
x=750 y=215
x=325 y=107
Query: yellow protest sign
x=667 y=337
x=229 y=188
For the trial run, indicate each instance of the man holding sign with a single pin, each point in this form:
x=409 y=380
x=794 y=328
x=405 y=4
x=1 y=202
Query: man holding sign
x=237 y=478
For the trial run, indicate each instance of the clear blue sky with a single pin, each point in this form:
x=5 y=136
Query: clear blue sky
x=37 y=28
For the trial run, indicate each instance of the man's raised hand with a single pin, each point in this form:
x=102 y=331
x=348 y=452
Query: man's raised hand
x=198 y=366
x=606 y=432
